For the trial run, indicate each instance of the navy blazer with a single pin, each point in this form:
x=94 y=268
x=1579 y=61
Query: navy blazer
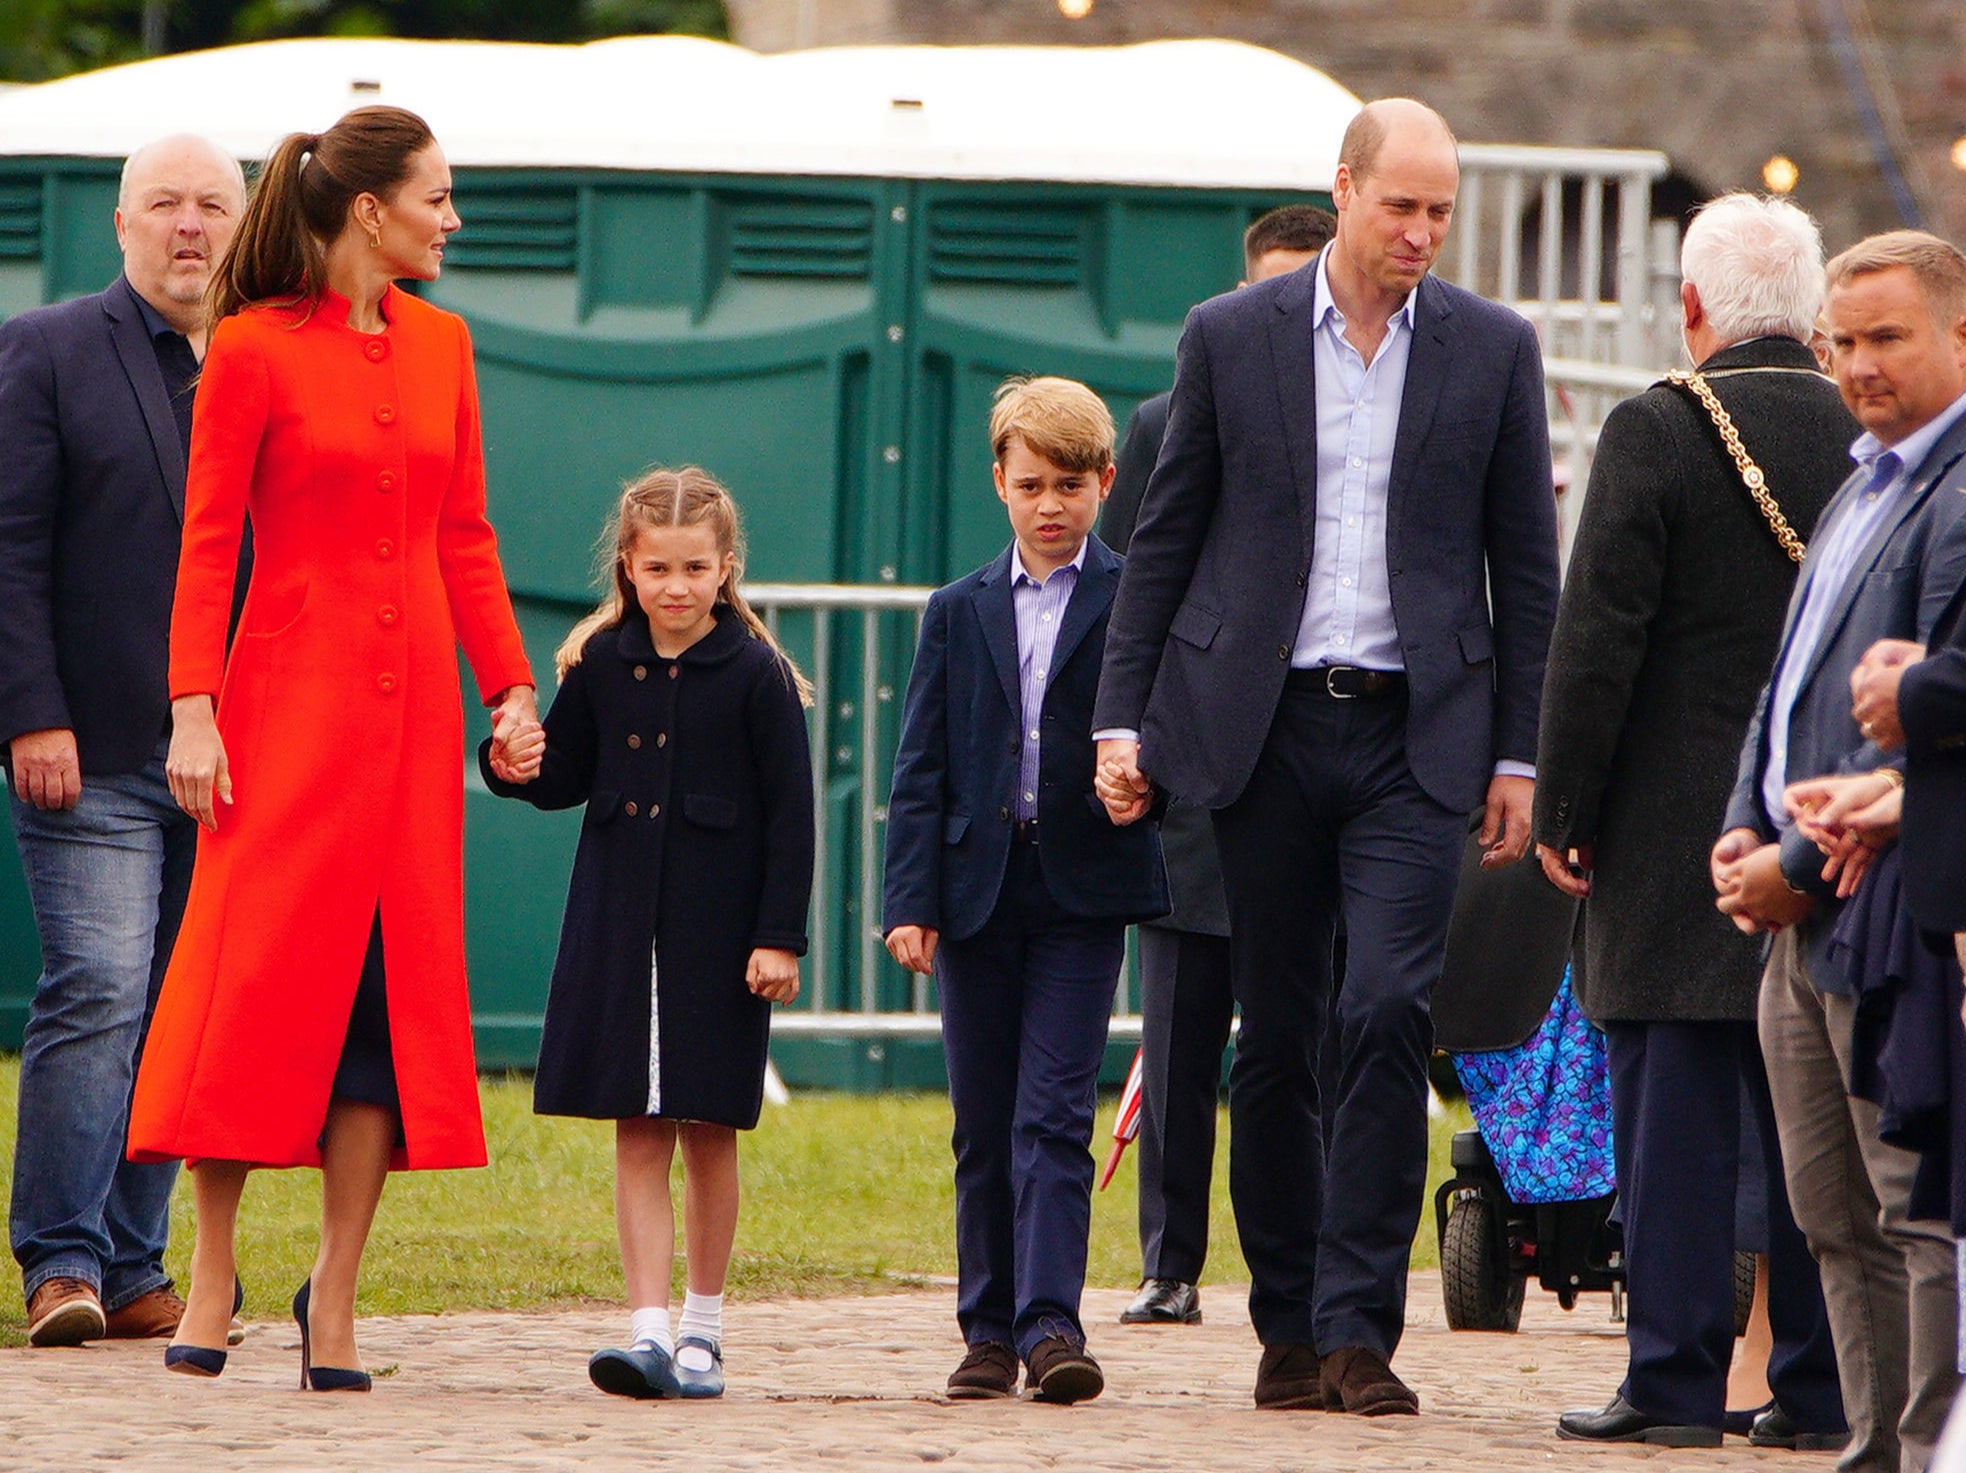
x=955 y=772
x=1217 y=568
x=91 y=511
x=1902 y=581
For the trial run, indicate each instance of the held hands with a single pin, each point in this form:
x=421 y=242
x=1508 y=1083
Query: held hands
x=195 y=766
x=1569 y=871
x=519 y=743
x=1849 y=818
x=772 y=974
x=1505 y=821
x=1120 y=784
x=1874 y=690
x=1747 y=875
x=914 y=947
x=47 y=771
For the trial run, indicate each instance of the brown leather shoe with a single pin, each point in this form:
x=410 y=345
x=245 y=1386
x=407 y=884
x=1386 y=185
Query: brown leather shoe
x=987 y=1372
x=1287 y=1378
x=151 y=1316
x=1358 y=1380
x=64 y=1312
x=1063 y=1372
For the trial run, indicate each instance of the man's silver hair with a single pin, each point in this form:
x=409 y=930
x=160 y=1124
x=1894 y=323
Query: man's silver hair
x=137 y=158
x=1757 y=265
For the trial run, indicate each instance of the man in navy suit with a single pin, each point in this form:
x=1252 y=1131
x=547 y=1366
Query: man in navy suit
x=95 y=415
x=1356 y=471
x=1888 y=555
x=1007 y=884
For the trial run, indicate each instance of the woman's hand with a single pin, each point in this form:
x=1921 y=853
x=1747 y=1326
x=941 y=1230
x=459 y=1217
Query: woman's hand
x=773 y=974
x=1849 y=819
x=518 y=740
x=196 y=767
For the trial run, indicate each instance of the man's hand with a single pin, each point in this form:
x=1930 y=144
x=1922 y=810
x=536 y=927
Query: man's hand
x=1571 y=872
x=1849 y=818
x=195 y=766
x=47 y=772
x=914 y=947
x=1119 y=782
x=773 y=974
x=1757 y=896
x=1874 y=690
x=1505 y=820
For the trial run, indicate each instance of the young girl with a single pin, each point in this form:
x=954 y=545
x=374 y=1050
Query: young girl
x=678 y=722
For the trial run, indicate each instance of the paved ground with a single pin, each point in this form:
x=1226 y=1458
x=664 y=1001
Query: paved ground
x=845 y=1384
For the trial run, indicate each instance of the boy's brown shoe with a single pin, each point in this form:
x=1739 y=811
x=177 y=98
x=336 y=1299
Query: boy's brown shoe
x=1062 y=1372
x=64 y=1312
x=1287 y=1378
x=1357 y=1379
x=987 y=1372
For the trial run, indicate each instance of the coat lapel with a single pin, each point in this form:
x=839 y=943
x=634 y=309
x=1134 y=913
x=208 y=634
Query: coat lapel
x=139 y=358
x=1428 y=362
x=1293 y=353
x=999 y=619
x=1098 y=579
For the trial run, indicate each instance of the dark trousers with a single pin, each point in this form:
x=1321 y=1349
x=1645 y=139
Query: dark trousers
x=1333 y=823
x=1677 y=1092
x=1186 y=1003
x=1025 y=1006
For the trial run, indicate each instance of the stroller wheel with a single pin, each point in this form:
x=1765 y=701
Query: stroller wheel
x=1744 y=1267
x=1480 y=1287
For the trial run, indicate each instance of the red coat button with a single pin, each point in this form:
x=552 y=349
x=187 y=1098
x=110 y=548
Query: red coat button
x=385 y=414
x=630 y=809
x=386 y=683
x=385 y=481
x=377 y=349
x=385 y=549
x=386 y=616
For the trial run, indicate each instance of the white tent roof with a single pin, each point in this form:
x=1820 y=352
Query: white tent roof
x=1191 y=113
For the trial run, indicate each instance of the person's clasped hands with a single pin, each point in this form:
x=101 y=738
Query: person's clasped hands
x=1120 y=784
x=518 y=738
x=1849 y=818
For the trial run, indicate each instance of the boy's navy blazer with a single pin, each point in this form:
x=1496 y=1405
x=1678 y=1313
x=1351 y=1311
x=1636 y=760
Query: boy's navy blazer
x=949 y=828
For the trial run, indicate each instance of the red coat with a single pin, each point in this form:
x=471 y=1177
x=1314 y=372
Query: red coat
x=358 y=457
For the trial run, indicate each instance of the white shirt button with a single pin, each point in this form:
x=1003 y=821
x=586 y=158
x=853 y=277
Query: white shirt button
x=1030 y=797
x=1045 y=618
x=1345 y=582
x=1034 y=733
x=1357 y=461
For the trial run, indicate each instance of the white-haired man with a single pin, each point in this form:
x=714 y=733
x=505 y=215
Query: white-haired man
x=1664 y=635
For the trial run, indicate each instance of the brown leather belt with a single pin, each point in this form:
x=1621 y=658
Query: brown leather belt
x=1347 y=682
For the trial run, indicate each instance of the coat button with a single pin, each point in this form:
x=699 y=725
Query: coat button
x=655 y=810
x=385 y=414
x=385 y=481
x=1283 y=652
x=641 y=672
x=1004 y=814
x=674 y=671
x=385 y=549
x=386 y=616
x=662 y=738
x=634 y=740
x=377 y=349
x=386 y=683
x=630 y=809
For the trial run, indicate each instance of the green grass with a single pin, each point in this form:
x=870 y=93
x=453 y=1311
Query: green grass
x=843 y=1194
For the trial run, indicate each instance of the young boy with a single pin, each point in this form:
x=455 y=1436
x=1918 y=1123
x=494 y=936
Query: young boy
x=1007 y=883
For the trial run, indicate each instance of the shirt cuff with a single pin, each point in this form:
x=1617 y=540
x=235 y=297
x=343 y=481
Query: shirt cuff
x=1516 y=769
x=1116 y=734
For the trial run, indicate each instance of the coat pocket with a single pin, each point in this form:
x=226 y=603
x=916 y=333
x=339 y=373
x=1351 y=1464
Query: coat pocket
x=602 y=806
x=1477 y=644
x=954 y=826
x=709 y=812
x=1195 y=624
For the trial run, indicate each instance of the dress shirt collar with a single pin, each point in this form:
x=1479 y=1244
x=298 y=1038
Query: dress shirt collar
x=1324 y=305
x=1911 y=451
x=1020 y=574
x=153 y=320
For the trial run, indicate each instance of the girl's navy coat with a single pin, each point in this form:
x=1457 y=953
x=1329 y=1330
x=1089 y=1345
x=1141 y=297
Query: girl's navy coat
x=697 y=847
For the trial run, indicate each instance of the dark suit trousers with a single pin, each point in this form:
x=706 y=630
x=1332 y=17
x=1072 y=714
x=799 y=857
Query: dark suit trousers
x=1677 y=1091
x=1333 y=822
x=1025 y=1006
x=1186 y=1003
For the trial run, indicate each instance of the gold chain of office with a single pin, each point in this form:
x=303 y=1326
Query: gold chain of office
x=1751 y=474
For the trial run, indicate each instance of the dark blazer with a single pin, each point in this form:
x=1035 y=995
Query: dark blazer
x=698 y=841
x=1932 y=709
x=949 y=813
x=1665 y=632
x=91 y=511
x=1214 y=588
x=1902 y=582
x=1187 y=834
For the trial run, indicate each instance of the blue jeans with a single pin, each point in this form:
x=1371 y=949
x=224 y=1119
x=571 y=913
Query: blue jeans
x=108 y=880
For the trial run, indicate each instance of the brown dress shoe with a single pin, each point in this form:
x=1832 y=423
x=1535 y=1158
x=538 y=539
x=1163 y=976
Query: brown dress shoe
x=1358 y=1380
x=151 y=1316
x=64 y=1312
x=987 y=1372
x=1063 y=1372
x=1287 y=1378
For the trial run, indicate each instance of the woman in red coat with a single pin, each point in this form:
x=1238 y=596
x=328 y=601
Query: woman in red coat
x=315 y=1010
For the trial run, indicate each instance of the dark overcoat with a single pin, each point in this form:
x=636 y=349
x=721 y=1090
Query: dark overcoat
x=696 y=848
x=1664 y=635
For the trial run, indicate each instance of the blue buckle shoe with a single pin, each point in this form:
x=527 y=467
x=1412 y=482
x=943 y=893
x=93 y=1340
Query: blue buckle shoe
x=644 y=1371
x=700 y=1383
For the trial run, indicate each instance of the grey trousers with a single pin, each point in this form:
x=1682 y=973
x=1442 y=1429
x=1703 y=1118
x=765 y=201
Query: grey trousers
x=1891 y=1285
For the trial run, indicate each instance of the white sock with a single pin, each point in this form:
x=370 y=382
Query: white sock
x=703 y=1316
x=652 y=1325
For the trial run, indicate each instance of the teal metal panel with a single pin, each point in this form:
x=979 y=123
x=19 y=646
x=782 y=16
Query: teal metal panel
x=20 y=947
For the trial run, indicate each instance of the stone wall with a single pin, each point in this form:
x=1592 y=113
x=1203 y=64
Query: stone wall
x=1719 y=85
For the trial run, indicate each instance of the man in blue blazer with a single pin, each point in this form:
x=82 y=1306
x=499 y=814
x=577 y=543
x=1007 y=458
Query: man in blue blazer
x=95 y=415
x=1007 y=883
x=1888 y=555
x=1331 y=631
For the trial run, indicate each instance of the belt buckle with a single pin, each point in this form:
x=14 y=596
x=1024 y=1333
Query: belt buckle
x=1331 y=690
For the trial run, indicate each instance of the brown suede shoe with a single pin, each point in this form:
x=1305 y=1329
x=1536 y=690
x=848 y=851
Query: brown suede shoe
x=987 y=1372
x=1287 y=1378
x=64 y=1312
x=1358 y=1380
x=1062 y=1372
x=152 y=1316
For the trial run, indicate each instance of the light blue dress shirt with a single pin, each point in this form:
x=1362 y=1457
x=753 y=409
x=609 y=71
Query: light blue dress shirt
x=1040 y=610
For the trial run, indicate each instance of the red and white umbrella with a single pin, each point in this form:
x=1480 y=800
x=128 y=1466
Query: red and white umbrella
x=1126 y=1124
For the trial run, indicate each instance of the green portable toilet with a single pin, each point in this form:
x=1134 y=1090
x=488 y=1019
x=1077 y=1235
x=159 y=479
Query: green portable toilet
x=806 y=272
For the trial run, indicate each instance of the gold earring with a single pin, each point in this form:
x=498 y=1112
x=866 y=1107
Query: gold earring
x=375 y=240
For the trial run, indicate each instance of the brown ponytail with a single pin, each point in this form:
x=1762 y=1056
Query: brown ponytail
x=301 y=204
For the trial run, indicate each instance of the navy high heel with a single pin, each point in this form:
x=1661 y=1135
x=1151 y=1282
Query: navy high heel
x=322 y=1378
x=202 y=1360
